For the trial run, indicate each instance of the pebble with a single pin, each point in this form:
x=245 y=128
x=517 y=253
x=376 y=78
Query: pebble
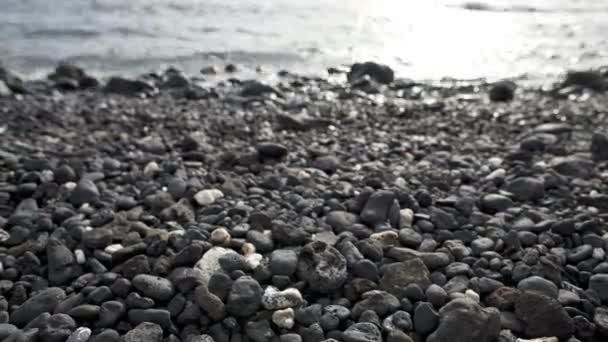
x=245 y=297
x=274 y=299
x=155 y=287
x=81 y=334
x=463 y=320
x=208 y=196
x=284 y=318
x=362 y=332
x=322 y=266
x=145 y=332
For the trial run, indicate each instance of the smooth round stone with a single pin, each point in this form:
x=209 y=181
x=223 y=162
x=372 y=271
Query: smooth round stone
x=481 y=245
x=283 y=262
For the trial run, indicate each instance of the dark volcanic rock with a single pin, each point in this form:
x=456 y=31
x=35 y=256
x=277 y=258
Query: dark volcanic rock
x=378 y=72
x=362 y=332
x=463 y=320
x=127 y=87
x=526 y=188
x=145 y=332
x=157 y=288
x=378 y=207
x=543 y=316
x=397 y=276
x=44 y=301
x=322 y=266
x=244 y=298
x=61 y=262
x=85 y=192
x=502 y=91
x=599 y=146
x=587 y=79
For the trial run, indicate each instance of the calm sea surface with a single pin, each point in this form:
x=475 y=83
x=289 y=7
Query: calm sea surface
x=422 y=39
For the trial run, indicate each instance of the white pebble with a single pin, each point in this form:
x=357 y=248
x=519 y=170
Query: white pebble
x=81 y=334
x=284 y=318
x=208 y=197
x=498 y=173
x=247 y=249
x=273 y=299
x=47 y=176
x=70 y=185
x=254 y=260
x=495 y=162
x=113 y=248
x=80 y=258
x=406 y=218
x=472 y=295
x=151 y=168
x=540 y=339
x=220 y=236
x=599 y=254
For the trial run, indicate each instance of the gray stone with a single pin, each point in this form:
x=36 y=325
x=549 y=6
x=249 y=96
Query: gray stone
x=155 y=287
x=245 y=297
x=145 y=332
x=599 y=284
x=494 y=203
x=526 y=188
x=599 y=146
x=425 y=318
x=341 y=221
x=378 y=207
x=81 y=334
x=543 y=316
x=44 y=301
x=397 y=276
x=362 y=332
x=85 y=192
x=380 y=302
x=463 y=320
x=322 y=266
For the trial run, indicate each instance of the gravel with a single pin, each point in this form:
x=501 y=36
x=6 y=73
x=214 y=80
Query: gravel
x=163 y=209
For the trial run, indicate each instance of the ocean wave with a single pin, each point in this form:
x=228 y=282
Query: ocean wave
x=486 y=7
x=62 y=33
x=128 y=31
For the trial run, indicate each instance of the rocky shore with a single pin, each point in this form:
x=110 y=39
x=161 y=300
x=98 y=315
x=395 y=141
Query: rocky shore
x=366 y=209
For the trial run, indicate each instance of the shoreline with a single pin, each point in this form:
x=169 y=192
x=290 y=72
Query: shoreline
x=365 y=209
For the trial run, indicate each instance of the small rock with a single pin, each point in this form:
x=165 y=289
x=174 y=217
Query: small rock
x=245 y=297
x=208 y=197
x=526 y=188
x=599 y=146
x=502 y=91
x=85 y=192
x=271 y=150
x=587 y=79
x=44 y=301
x=322 y=266
x=274 y=299
x=145 y=332
x=397 y=276
x=284 y=318
x=157 y=288
x=599 y=284
x=378 y=208
x=463 y=320
x=425 y=318
x=362 y=332
x=534 y=309
x=127 y=87
x=81 y=334
x=378 y=72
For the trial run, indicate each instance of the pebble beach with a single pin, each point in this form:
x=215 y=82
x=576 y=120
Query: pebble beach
x=357 y=207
